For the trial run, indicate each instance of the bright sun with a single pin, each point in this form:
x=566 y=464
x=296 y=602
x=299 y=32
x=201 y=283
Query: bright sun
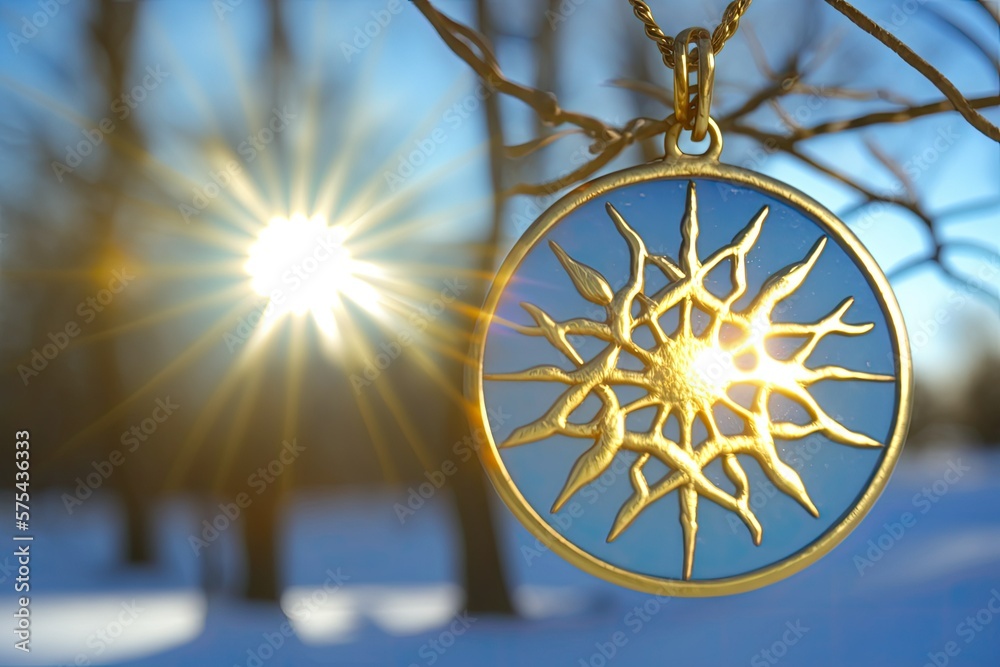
x=305 y=265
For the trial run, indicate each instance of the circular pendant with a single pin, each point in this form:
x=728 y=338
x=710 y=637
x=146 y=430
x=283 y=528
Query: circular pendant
x=693 y=379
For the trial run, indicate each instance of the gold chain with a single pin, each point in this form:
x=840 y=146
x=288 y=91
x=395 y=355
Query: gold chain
x=725 y=30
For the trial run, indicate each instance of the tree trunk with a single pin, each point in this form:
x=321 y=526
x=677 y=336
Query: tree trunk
x=113 y=31
x=138 y=540
x=260 y=533
x=485 y=585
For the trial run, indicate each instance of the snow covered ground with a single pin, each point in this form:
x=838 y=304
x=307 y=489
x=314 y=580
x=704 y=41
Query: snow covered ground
x=918 y=583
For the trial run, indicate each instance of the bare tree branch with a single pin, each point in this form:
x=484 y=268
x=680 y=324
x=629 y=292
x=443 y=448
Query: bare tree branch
x=637 y=129
x=879 y=118
x=992 y=7
x=474 y=49
x=608 y=141
x=461 y=38
x=976 y=119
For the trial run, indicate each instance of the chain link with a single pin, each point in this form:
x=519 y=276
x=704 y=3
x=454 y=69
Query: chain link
x=725 y=30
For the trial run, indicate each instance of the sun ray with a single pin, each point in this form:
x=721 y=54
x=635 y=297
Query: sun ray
x=239 y=423
x=371 y=193
x=185 y=79
x=411 y=433
x=356 y=130
x=199 y=429
x=158 y=317
x=304 y=144
x=294 y=373
x=183 y=360
x=378 y=439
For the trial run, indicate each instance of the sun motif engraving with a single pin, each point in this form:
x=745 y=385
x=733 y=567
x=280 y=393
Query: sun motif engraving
x=688 y=375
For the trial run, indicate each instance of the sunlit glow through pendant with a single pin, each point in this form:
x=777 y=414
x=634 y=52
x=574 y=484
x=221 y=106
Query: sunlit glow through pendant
x=704 y=377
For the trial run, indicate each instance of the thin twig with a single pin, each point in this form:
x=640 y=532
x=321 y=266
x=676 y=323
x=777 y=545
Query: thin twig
x=896 y=169
x=780 y=84
x=842 y=93
x=882 y=117
x=651 y=90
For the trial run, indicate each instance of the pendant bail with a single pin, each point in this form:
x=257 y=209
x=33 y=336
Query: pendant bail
x=692 y=112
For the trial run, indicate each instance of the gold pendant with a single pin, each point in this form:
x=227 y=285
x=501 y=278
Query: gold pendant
x=707 y=374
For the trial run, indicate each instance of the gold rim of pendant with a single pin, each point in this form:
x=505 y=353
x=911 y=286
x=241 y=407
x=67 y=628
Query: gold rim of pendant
x=679 y=166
